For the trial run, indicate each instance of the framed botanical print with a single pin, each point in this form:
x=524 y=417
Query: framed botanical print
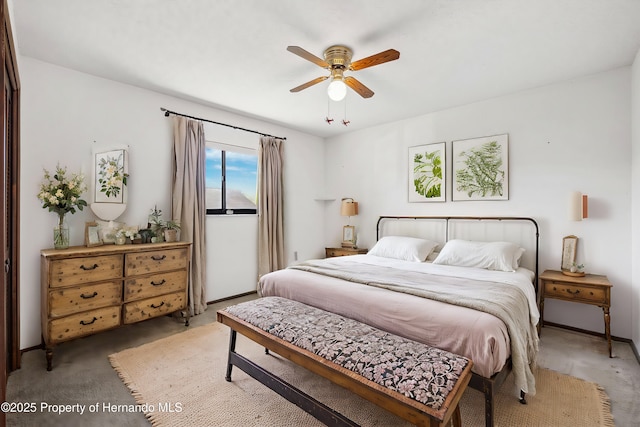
x=427 y=165
x=110 y=176
x=481 y=168
x=569 y=246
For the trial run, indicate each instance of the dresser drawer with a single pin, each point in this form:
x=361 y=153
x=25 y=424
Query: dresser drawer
x=574 y=292
x=64 y=301
x=81 y=324
x=155 y=284
x=77 y=271
x=154 y=307
x=155 y=261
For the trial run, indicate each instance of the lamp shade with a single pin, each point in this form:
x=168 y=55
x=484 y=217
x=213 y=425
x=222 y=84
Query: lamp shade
x=349 y=207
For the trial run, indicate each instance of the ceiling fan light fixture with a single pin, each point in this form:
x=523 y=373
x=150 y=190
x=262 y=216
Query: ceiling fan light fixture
x=337 y=89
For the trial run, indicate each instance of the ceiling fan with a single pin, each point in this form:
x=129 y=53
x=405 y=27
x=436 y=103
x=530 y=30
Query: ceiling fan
x=337 y=59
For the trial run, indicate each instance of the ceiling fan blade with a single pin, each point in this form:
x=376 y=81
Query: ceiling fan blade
x=377 y=59
x=308 y=56
x=308 y=84
x=362 y=90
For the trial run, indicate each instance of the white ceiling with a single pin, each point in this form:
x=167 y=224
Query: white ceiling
x=231 y=54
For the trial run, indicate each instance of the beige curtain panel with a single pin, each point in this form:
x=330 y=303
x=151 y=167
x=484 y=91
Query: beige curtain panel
x=270 y=206
x=188 y=201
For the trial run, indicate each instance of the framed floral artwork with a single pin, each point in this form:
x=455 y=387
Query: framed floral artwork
x=481 y=168
x=427 y=165
x=110 y=176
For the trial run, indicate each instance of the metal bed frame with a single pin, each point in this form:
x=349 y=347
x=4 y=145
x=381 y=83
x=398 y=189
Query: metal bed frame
x=488 y=386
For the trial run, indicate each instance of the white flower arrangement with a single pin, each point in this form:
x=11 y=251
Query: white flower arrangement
x=128 y=232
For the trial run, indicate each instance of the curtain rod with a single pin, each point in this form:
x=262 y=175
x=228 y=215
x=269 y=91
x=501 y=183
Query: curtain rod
x=167 y=112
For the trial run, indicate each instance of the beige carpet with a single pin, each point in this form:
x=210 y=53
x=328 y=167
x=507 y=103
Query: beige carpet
x=181 y=380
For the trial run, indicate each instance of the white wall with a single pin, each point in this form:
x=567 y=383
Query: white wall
x=63 y=112
x=635 y=184
x=568 y=136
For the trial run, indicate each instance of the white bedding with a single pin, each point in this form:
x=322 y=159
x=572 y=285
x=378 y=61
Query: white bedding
x=522 y=278
x=461 y=330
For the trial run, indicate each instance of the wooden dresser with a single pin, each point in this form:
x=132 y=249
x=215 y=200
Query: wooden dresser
x=88 y=290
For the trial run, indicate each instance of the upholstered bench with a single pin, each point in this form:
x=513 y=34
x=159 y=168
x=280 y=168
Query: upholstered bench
x=418 y=383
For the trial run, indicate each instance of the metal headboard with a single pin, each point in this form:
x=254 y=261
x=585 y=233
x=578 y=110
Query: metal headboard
x=443 y=228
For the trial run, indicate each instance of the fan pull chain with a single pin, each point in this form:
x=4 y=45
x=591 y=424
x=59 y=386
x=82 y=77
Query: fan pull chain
x=344 y=116
x=327 y=118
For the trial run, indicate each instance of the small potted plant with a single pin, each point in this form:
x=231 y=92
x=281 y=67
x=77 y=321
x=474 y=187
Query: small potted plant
x=156 y=224
x=171 y=231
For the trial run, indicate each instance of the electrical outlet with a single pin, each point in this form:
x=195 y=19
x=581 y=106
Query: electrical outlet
x=295 y=255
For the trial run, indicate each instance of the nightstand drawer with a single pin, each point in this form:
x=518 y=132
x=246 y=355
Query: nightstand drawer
x=572 y=292
x=333 y=252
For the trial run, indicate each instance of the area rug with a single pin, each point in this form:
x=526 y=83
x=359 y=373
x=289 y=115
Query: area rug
x=179 y=381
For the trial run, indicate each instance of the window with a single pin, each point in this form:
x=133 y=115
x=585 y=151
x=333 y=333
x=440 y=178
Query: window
x=231 y=179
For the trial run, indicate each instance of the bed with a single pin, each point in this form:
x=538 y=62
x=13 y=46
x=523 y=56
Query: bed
x=463 y=284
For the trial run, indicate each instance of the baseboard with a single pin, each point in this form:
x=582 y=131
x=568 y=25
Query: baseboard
x=231 y=297
x=635 y=351
x=587 y=332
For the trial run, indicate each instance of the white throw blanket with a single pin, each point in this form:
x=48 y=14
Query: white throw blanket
x=506 y=302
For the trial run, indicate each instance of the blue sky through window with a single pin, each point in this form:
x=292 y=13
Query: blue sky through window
x=241 y=171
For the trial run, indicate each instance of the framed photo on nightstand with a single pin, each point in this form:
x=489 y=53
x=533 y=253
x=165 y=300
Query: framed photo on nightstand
x=569 y=246
x=348 y=236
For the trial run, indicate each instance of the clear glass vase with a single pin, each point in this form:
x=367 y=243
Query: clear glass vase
x=61 y=234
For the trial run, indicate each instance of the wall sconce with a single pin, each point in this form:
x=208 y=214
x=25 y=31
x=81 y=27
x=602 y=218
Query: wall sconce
x=578 y=206
x=349 y=208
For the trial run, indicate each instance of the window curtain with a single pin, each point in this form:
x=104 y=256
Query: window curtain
x=270 y=206
x=188 y=201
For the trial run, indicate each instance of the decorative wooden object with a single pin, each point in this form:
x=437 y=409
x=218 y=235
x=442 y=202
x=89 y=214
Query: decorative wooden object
x=590 y=289
x=88 y=290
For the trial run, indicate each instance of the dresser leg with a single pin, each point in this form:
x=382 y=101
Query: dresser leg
x=607 y=327
x=48 y=351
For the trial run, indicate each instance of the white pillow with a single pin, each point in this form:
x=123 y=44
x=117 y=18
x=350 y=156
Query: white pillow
x=404 y=248
x=501 y=256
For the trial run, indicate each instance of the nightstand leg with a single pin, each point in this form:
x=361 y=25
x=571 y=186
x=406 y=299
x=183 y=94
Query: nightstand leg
x=541 y=320
x=607 y=327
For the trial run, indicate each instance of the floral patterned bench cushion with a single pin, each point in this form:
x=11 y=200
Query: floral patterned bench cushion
x=417 y=371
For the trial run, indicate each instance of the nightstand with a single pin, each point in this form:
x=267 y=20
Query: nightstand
x=331 y=252
x=590 y=289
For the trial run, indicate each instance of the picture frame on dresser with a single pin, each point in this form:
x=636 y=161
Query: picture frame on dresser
x=92 y=234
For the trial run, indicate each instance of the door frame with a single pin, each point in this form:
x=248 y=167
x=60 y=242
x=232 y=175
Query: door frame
x=10 y=330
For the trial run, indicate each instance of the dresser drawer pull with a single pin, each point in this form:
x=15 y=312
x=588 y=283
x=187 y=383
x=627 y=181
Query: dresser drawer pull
x=159 y=283
x=576 y=292
x=157 y=306
x=158 y=258
x=93 y=267
x=83 y=296
x=82 y=322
